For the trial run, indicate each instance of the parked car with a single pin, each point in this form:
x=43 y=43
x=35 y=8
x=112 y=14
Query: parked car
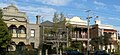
x=101 y=53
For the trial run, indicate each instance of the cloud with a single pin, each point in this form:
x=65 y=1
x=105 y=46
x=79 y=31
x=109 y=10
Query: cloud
x=44 y=11
x=55 y=2
x=40 y=10
x=99 y=5
x=7 y=2
x=32 y=11
x=113 y=18
x=117 y=7
x=3 y=5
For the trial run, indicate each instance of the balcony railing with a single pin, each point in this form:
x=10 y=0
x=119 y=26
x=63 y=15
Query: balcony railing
x=80 y=37
x=18 y=35
x=53 y=38
x=14 y=35
x=21 y=35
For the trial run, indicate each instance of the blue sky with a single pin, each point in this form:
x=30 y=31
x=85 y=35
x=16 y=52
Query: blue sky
x=107 y=10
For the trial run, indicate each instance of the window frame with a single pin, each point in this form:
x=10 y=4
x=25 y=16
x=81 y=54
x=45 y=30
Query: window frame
x=32 y=33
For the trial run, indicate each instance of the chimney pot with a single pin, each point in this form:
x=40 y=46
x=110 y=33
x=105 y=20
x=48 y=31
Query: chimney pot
x=38 y=19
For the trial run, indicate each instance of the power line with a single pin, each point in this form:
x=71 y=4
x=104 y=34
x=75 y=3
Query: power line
x=72 y=9
x=82 y=9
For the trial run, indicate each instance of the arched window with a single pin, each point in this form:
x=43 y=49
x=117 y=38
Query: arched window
x=22 y=30
x=13 y=29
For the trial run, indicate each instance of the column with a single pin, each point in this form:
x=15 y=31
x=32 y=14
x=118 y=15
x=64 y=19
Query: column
x=75 y=34
x=60 y=52
x=46 y=52
x=40 y=52
x=78 y=35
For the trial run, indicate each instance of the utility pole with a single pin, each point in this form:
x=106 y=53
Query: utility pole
x=88 y=26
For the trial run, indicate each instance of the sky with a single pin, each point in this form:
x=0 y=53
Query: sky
x=108 y=11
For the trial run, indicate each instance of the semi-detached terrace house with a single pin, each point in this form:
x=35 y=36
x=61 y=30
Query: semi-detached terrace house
x=79 y=33
x=29 y=34
x=96 y=30
x=80 y=30
x=99 y=29
x=22 y=31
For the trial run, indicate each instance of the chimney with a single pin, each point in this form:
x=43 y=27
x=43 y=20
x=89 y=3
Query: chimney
x=38 y=19
x=97 y=22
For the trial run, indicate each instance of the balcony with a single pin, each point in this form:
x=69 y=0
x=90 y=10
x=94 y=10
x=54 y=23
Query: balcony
x=14 y=35
x=18 y=35
x=22 y=35
x=19 y=38
x=52 y=38
x=80 y=37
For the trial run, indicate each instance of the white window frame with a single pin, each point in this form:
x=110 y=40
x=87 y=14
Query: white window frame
x=32 y=32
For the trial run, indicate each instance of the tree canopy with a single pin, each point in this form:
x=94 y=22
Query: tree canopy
x=5 y=36
x=59 y=21
x=101 y=40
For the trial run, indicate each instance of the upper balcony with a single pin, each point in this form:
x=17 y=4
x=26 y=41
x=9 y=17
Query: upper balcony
x=54 y=38
x=80 y=37
x=19 y=36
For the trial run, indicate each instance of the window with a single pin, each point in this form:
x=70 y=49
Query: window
x=13 y=30
x=22 y=30
x=32 y=33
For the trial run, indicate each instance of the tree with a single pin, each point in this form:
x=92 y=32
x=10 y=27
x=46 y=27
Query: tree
x=58 y=29
x=55 y=18
x=101 y=40
x=55 y=21
x=5 y=36
x=1 y=14
x=59 y=22
x=95 y=41
x=62 y=17
x=76 y=45
x=106 y=39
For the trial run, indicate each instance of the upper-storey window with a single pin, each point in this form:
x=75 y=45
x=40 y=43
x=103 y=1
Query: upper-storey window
x=32 y=33
x=13 y=29
x=22 y=30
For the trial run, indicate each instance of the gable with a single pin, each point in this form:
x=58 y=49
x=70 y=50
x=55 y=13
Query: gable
x=11 y=8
